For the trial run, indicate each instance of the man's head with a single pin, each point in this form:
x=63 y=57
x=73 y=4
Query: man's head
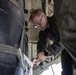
x=39 y=19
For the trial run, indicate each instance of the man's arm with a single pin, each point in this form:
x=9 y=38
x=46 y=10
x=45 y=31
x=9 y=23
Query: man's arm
x=55 y=48
x=42 y=46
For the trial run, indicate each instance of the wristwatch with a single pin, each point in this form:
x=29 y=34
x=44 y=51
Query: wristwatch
x=46 y=53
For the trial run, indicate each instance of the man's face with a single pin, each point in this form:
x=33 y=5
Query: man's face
x=40 y=22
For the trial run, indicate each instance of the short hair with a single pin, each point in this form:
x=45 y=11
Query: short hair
x=34 y=13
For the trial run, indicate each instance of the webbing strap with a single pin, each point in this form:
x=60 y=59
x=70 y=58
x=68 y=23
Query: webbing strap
x=15 y=3
x=8 y=49
x=12 y=50
x=19 y=5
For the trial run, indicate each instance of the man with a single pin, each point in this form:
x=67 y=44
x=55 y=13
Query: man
x=47 y=27
x=65 y=14
x=49 y=30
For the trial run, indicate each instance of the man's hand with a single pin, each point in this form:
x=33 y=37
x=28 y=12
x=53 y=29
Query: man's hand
x=40 y=58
